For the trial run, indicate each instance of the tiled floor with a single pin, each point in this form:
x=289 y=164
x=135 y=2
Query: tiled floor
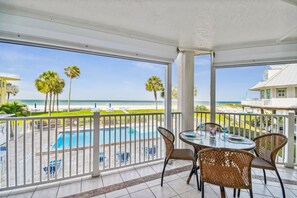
x=143 y=181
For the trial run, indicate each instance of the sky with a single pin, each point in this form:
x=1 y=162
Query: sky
x=105 y=78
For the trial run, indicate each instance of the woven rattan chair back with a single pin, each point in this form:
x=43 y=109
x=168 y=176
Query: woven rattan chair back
x=208 y=125
x=226 y=168
x=268 y=145
x=168 y=138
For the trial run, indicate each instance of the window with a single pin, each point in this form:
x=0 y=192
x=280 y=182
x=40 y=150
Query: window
x=268 y=94
x=281 y=93
x=262 y=94
x=295 y=92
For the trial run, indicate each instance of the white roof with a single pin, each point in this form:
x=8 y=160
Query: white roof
x=155 y=29
x=9 y=76
x=287 y=76
x=276 y=67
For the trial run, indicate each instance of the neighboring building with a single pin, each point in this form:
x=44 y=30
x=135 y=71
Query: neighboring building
x=3 y=88
x=277 y=91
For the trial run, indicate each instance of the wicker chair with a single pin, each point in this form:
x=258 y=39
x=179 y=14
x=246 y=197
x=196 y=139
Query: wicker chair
x=197 y=148
x=180 y=154
x=206 y=126
x=226 y=168
x=266 y=149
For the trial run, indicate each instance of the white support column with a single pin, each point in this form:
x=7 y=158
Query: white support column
x=185 y=67
x=289 y=148
x=212 y=91
x=96 y=171
x=168 y=87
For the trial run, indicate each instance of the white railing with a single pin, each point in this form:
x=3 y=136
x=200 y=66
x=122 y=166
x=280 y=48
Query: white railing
x=283 y=102
x=256 y=102
x=39 y=150
x=273 y=102
x=253 y=125
x=44 y=149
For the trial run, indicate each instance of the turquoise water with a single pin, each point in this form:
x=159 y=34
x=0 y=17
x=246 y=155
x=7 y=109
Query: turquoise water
x=105 y=137
x=117 y=102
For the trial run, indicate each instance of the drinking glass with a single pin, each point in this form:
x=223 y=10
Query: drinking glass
x=225 y=131
x=212 y=132
x=201 y=127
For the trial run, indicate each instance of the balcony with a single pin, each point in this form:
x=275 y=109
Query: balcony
x=69 y=143
x=278 y=103
x=144 y=181
x=82 y=146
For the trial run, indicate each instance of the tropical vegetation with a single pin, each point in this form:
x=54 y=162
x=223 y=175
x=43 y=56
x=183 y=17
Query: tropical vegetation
x=154 y=84
x=51 y=85
x=201 y=108
x=14 y=108
x=11 y=90
x=71 y=72
x=174 y=92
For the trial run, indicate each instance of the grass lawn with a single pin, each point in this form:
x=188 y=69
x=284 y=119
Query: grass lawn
x=146 y=111
x=72 y=113
x=89 y=112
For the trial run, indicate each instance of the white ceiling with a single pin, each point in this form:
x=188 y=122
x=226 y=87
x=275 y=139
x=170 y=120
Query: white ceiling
x=189 y=24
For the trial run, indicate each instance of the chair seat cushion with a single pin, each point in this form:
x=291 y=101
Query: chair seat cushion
x=261 y=163
x=182 y=154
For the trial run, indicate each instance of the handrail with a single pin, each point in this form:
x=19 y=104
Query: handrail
x=71 y=138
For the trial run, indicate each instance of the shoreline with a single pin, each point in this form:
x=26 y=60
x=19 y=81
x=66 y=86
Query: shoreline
x=125 y=107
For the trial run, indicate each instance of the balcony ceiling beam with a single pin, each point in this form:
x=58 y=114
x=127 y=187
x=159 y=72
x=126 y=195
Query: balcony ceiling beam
x=40 y=32
x=263 y=55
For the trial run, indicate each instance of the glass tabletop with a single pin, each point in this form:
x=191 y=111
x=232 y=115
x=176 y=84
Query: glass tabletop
x=203 y=138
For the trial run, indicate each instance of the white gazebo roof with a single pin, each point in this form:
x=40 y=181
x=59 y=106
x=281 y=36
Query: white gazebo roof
x=286 y=77
x=240 y=32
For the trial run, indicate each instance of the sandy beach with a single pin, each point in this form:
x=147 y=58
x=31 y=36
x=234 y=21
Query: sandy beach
x=101 y=107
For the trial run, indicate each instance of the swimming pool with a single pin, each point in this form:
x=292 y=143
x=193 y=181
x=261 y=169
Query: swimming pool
x=106 y=136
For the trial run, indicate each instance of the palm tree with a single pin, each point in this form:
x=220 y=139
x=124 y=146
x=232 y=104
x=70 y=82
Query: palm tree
x=71 y=72
x=51 y=80
x=11 y=89
x=46 y=84
x=174 y=92
x=154 y=84
x=42 y=86
x=60 y=84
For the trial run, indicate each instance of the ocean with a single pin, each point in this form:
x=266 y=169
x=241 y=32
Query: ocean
x=116 y=102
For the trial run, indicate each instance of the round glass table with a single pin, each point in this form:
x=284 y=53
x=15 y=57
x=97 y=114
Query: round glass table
x=204 y=140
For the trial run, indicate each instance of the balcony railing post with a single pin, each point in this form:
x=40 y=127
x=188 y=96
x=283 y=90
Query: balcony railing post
x=289 y=132
x=96 y=171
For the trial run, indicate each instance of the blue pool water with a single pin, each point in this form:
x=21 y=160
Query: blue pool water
x=106 y=136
